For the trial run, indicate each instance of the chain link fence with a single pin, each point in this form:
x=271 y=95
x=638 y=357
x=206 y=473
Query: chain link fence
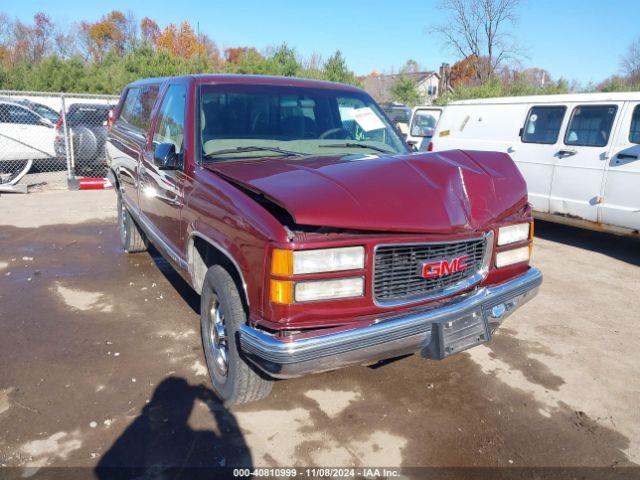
x=50 y=139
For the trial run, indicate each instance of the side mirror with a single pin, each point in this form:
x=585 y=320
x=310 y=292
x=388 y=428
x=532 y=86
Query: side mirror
x=165 y=156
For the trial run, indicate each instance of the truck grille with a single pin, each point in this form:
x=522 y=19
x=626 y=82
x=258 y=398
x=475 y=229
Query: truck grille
x=398 y=269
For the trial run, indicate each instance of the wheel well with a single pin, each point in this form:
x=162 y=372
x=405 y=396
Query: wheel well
x=202 y=255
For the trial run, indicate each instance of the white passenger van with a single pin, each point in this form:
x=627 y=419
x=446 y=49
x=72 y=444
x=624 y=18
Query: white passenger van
x=579 y=153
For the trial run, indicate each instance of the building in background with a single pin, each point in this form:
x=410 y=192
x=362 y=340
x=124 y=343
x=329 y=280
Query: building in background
x=429 y=84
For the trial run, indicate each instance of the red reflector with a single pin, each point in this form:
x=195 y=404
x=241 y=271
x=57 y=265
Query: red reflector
x=430 y=147
x=91 y=183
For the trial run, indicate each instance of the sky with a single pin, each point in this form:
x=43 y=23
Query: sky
x=576 y=40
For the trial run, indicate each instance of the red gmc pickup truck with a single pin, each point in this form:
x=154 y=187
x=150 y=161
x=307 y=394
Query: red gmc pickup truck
x=313 y=234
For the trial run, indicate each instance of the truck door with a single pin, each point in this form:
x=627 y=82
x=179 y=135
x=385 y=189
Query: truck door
x=578 y=174
x=161 y=191
x=621 y=199
x=125 y=143
x=535 y=157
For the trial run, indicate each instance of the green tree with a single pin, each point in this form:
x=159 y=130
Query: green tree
x=336 y=70
x=404 y=90
x=284 y=61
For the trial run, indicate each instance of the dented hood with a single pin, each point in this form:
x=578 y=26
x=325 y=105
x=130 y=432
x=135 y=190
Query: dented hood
x=443 y=192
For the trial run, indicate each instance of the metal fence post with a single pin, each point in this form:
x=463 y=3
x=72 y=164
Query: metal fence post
x=65 y=132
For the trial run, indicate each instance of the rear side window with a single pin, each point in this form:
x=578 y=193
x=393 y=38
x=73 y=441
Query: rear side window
x=634 y=134
x=15 y=114
x=88 y=116
x=543 y=125
x=136 y=110
x=590 y=125
x=130 y=107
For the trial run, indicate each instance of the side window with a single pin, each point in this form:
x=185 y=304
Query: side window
x=136 y=110
x=634 y=134
x=130 y=107
x=543 y=124
x=170 y=126
x=424 y=123
x=590 y=125
x=22 y=116
x=148 y=97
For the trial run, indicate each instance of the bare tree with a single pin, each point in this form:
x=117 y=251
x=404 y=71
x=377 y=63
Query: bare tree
x=630 y=62
x=480 y=29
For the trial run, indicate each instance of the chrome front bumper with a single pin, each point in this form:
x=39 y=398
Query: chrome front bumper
x=411 y=332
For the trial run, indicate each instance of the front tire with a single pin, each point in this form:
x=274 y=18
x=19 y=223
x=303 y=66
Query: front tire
x=234 y=380
x=131 y=237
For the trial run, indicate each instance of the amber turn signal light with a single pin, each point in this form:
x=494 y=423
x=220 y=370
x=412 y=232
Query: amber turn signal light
x=282 y=292
x=282 y=262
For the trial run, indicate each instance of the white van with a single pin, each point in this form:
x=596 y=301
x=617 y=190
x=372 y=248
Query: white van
x=579 y=153
x=422 y=125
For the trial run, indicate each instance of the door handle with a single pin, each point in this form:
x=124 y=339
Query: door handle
x=626 y=156
x=567 y=153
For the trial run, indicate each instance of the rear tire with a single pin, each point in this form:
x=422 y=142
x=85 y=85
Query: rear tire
x=132 y=238
x=234 y=380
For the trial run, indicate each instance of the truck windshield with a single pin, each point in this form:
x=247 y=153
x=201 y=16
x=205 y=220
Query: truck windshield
x=307 y=121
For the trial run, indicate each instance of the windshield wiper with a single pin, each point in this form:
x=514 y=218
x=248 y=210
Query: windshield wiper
x=254 y=148
x=357 y=145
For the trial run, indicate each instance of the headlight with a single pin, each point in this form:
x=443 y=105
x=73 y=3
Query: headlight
x=288 y=262
x=513 y=233
x=329 y=289
x=510 y=257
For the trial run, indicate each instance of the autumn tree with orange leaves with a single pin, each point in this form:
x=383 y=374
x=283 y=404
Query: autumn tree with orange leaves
x=104 y=55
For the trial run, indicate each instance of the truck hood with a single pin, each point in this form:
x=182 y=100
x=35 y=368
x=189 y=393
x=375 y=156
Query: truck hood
x=444 y=192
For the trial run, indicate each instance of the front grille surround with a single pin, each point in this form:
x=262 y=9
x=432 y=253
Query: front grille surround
x=399 y=282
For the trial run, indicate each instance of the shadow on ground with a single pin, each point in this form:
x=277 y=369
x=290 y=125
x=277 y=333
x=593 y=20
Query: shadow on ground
x=160 y=437
x=626 y=249
x=190 y=297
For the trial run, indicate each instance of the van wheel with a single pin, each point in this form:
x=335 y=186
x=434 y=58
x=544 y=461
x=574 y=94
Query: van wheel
x=221 y=314
x=132 y=238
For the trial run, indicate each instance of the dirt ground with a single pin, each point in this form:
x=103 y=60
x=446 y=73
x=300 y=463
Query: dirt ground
x=100 y=358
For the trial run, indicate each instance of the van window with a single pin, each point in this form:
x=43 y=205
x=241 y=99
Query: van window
x=170 y=126
x=590 y=125
x=634 y=134
x=424 y=123
x=543 y=124
x=136 y=110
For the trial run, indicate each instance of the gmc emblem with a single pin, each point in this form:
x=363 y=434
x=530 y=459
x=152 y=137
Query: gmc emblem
x=438 y=268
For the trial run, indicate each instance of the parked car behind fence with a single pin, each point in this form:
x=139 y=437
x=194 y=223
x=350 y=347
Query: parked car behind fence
x=87 y=127
x=37 y=127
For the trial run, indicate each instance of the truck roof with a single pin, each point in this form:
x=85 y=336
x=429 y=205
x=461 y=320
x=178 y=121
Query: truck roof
x=567 y=97
x=215 y=78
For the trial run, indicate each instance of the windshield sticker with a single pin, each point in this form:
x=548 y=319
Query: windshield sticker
x=367 y=119
x=346 y=113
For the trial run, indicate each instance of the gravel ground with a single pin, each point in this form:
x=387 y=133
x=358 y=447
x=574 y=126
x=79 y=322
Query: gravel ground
x=100 y=358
